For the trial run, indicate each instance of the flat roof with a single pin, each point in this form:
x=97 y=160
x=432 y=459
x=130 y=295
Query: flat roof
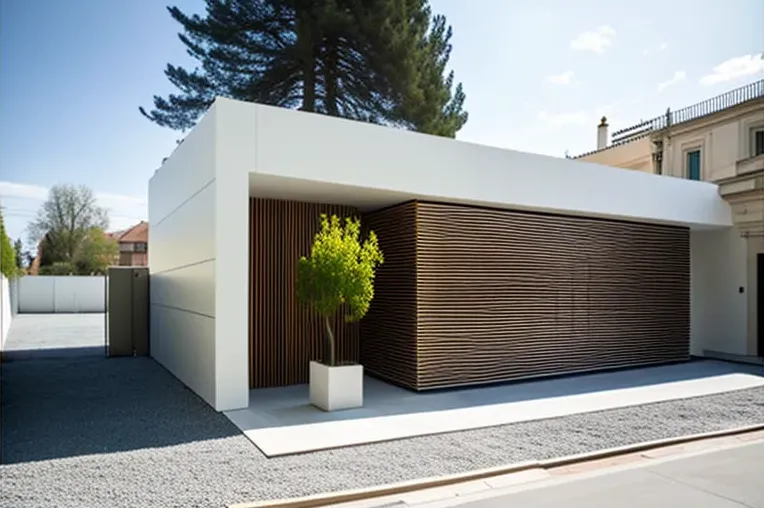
x=312 y=157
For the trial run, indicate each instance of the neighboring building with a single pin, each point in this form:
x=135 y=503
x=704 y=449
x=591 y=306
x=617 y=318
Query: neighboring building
x=133 y=245
x=499 y=265
x=720 y=140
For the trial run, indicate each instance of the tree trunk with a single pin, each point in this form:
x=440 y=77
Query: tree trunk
x=331 y=76
x=307 y=47
x=330 y=340
x=309 y=85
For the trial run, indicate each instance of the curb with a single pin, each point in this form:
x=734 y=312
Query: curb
x=347 y=496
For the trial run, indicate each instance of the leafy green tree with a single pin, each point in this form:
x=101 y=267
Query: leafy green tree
x=71 y=225
x=339 y=273
x=96 y=254
x=7 y=253
x=65 y=220
x=369 y=60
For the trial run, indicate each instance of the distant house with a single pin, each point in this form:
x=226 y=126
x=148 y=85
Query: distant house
x=133 y=245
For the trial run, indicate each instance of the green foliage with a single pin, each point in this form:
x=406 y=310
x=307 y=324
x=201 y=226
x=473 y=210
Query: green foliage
x=96 y=254
x=58 y=268
x=339 y=273
x=7 y=253
x=18 y=248
x=71 y=227
x=380 y=61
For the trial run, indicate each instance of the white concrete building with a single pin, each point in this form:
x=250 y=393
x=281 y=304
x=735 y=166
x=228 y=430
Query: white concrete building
x=199 y=214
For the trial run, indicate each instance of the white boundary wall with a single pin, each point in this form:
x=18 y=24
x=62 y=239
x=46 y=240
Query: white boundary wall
x=61 y=294
x=6 y=314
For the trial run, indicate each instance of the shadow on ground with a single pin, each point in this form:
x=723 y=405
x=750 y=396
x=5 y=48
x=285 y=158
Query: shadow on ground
x=69 y=402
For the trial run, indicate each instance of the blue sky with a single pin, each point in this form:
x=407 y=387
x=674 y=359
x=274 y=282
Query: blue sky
x=538 y=75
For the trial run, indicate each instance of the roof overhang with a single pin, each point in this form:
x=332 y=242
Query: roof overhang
x=310 y=157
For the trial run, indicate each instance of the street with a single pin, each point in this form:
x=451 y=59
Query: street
x=729 y=478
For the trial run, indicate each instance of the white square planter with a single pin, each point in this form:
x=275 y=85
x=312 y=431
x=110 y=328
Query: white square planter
x=335 y=388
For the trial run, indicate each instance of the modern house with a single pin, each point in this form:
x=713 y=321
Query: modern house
x=720 y=140
x=499 y=265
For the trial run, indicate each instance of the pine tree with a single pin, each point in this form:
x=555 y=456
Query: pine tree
x=370 y=60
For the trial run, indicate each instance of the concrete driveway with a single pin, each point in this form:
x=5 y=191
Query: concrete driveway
x=55 y=335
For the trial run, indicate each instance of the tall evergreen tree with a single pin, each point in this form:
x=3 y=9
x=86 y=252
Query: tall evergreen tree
x=371 y=60
x=18 y=247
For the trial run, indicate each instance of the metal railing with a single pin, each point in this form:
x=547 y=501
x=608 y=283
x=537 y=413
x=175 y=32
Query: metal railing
x=721 y=102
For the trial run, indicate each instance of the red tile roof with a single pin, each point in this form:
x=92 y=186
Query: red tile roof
x=137 y=233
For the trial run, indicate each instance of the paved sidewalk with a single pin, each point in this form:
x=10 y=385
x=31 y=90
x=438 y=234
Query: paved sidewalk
x=728 y=478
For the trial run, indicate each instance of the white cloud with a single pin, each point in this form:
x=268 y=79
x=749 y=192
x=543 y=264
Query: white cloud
x=596 y=40
x=19 y=190
x=559 y=120
x=124 y=211
x=678 y=77
x=564 y=78
x=663 y=47
x=734 y=68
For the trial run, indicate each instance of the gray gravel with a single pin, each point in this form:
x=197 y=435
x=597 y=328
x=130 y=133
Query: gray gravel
x=91 y=432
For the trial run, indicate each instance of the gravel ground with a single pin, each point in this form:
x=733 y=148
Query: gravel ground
x=93 y=432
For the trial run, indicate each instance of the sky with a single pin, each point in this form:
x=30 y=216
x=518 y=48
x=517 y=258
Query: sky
x=537 y=75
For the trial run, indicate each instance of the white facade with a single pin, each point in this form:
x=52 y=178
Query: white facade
x=198 y=214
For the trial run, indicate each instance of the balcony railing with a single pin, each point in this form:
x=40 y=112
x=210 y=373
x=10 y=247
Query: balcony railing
x=721 y=102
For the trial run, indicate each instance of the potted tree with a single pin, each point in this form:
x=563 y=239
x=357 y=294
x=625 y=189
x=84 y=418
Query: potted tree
x=338 y=276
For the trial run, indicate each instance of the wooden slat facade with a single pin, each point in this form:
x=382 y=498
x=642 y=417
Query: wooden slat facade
x=506 y=295
x=471 y=295
x=388 y=332
x=284 y=335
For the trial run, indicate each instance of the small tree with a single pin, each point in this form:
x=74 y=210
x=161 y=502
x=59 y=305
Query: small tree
x=7 y=254
x=339 y=272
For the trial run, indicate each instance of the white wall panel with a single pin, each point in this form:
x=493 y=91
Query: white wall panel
x=61 y=294
x=79 y=294
x=182 y=260
x=184 y=343
x=718 y=320
x=190 y=167
x=187 y=235
x=37 y=294
x=187 y=288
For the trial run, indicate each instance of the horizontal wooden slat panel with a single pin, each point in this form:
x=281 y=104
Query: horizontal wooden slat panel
x=505 y=295
x=284 y=335
x=388 y=332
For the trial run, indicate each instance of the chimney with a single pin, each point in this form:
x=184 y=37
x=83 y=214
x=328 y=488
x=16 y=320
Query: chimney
x=602 y=134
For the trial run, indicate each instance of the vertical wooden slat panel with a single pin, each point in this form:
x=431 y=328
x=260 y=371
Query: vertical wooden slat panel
x=284 y=336
x=388 y=332
x=506 y=295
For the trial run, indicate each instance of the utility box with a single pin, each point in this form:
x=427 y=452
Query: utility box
x=128 y=311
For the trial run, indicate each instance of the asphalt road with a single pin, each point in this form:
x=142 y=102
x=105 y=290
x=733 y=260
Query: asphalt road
x=731 y=478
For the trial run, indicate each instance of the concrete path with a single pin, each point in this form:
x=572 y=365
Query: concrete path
x=55 y=336
x=600 y=395
x=729 y=478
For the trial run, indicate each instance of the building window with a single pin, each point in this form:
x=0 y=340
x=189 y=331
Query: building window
x=140 y=247
x=693 y=165
x=757 y=138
